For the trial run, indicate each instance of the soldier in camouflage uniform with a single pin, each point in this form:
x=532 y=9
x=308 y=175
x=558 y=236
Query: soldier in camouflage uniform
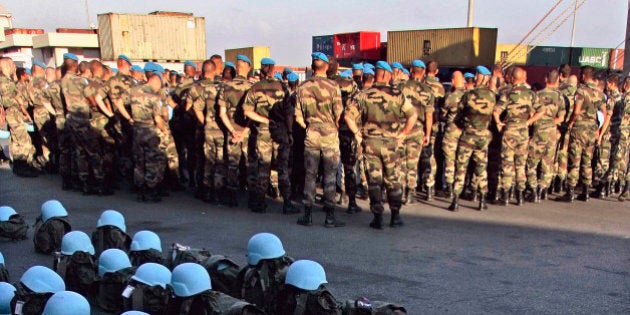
x=623 y=144
x=583 y=124
x=231 y=98
x=550 y=111
x=609 y=136
x=318 y=110
x=20 y=145
x=149 y=161
x=421 y=96
x=429 y=152
x=450 y=112
x=518 y=104
x=476 y=115
x=568 y=89
x=42 y=110
x=380 y=109
x=260 y=106
x=84 y=137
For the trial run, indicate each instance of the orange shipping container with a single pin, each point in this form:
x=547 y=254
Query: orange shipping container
x=616 y=59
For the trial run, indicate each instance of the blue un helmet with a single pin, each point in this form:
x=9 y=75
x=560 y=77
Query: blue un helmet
x=134 y=313
x=76 y=241
x=145 y=240
x=153 y=274
x=1 y=258
x=189 y=279
x=40 y=279
x=113 y=218
x=7 y=292
x=6 y=212
x=67 y=303
x=112 y=260
x=52 y=209
x=306 y=275
x=263 y=246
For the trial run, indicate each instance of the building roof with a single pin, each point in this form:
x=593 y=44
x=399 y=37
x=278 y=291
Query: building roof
x=65 y=40
x=4 y=11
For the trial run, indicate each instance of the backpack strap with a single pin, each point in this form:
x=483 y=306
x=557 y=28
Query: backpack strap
x=137 y=299
x=61 y=264
x=300 y=303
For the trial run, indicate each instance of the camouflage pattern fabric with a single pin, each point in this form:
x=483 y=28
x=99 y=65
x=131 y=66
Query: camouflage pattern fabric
x=605 y=146
x=438 y=95
x=347 y=144
x=452 y=109
x=622 y=146
x=119 y=86
x=563 y=135
x=39 y=94
x=20 y=142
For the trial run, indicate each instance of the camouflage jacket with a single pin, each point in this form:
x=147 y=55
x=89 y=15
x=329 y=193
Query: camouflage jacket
x=552 y=103
x=569 y=96
x=54 y=91
x=615 y=109
x=320 y=105
x=349 y=90
x=438 y=96
x=97 y=87
x=39 y=92
x=592 y=100
x=119 y=86
x=518 y=104
x=478 y=106
x=624 y=124
x=204 y=95
x=453 y=105
x=73 y=87
x=9 y=93
x=145 y=105
x=381 y=109
x=24 y=91
x=232 y=96
x=262 y=97
x=422 y=98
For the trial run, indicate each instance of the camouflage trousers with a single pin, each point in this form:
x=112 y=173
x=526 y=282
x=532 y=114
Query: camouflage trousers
x=235 y=152
x=562 y=156
x=449 y=148
x=214 y=165
x=87 y=150
x=349 y=156
x=125 y=145
x=514 y=156
x=409 y=159
x=581 y=147
x=429 y=174
x=47 y=132
x=167 y=145
x=603 y=157
x=271 y=154
x=619 y=157
x=472 y=145
x=67 y=168
x=329 y=156
x=149 y=161
x=20 y=144
x=106 y=142
x=382 y=158
x=541 y=151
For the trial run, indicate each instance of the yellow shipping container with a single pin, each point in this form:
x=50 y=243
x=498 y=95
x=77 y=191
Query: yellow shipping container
x=158 y=36
x=255 y=54
x=517 y=57
x=452 y=47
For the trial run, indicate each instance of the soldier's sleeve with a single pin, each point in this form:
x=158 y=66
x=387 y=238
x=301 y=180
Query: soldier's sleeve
x=250 y=101
x=537 y=106
x=579 y=96
x=562 y=106
x=196 y=94
x=501 y=103
x=299 y=114
x=337 y=105
x=221 y=98
x=430 y=105
x=352 y=110
x=407 y=108
x=114 y=89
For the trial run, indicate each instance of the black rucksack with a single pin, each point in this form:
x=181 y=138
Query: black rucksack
x=138 y=296
x=14 y=229
x=140 y=257
x=261 y=284
x=110 y=288
x=47 y=236
x=294 y=301
x=4 y=274
x=106 y=237
x=211 y=303
x=364 y=306
x=180 y=254
x=78 y=271
x=27 y=302
x=224 y=274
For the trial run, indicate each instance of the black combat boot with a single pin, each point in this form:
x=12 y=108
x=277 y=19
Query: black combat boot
x=153 y=195
x=483 y=205
x=454 y=204
x=505 y=197
x=519 y=197
x=430 y=193
x=395 y=221
x=405 y=199
x=66 y=183
x=307 y=219
x=557 y=185
x=412 y=197
x=331 y=221
x=251 y=199
x=570 y=195
x=584 y=196
x=201 y=192
x=362 y=192
x=601 y=190
x=88 y=189
x=141 y=194
x=625 y=192
x=260 y=204
x=288 y=207
x=232 y=200
x=537 y=193
x=210 y=196
x=377 y=222
x=475 y=196
x=544 y=191
x=352 y=205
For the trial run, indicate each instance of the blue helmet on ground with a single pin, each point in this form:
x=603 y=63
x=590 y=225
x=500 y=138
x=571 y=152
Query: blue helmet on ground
x=67 y=303
x=7 y=292
x=189 y=279
x=306 y=275
x=263 y=246
x=113 y=218
x=76 y=241
x=145 y=240
x=6 y=212
x=52 y=209
x=134 y=313
x=40 y=279
x=112 y=260
x=153 y=274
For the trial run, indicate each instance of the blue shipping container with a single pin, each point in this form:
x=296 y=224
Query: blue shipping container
x=324 y=44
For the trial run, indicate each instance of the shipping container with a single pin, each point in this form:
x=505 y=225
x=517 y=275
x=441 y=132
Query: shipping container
x=594 y=57
x=358 y=46
x=616 y=59
x=511 y=53
x=548 y=56
x=536 y=74
x=77 y=31
x=152 y=37
x=453 y=47
x=324 y=44
x=170 y=13
x=383 y=51
x=255 y=54
x=23 y=31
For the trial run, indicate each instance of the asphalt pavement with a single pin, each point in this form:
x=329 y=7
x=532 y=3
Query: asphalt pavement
x=549 y=258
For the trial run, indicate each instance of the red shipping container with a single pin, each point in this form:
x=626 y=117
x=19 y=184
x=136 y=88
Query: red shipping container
x=536 y=74
x=359 y=45
x=23 y=31
x=616 y=59
x=77 y=30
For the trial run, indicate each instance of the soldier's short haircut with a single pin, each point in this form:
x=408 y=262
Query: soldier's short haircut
x=553 y=76
x=333 y=65
x=206 y=66
x=95 y=64
x=432 y=66
x=318 y=64
x=613 y=78
x=20 y=71
x=83 y=66
x=565 y=70
x=587 y=72
x=215 y=57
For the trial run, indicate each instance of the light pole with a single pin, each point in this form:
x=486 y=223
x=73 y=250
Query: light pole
x=471 y=11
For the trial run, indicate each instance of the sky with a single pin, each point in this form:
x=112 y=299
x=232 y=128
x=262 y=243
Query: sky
x=287 y=26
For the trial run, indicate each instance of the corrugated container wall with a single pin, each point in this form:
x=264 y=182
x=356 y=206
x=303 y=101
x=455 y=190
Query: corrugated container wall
x=324 y=44
x=594 y=57
x=453 y=47
x=255 y=54
x=548 y=56
x=152 y=37
x=358 y=46
x=511 y=53
x=616 y=59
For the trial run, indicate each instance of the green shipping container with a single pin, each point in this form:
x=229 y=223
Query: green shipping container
x=548 y=56
x=594 y=57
